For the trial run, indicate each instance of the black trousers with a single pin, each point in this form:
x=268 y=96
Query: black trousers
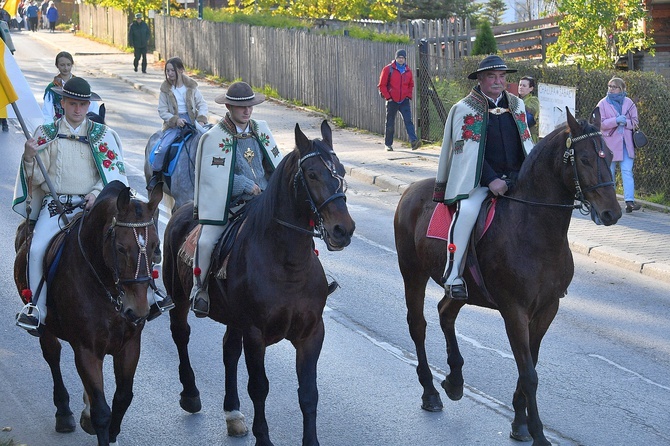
x=140 y=52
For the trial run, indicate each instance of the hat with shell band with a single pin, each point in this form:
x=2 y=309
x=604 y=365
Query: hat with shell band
x=240 y=94
x=76 y=88
x=491 y=63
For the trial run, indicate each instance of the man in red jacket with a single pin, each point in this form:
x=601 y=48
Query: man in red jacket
x=396 y=85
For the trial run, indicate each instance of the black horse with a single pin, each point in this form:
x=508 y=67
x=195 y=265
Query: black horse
x=97 y=302
x=275 y=288
x=524 y=257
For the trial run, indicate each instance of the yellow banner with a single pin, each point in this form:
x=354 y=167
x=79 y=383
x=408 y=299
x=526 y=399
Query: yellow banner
x=11 y=6
x=7 y=93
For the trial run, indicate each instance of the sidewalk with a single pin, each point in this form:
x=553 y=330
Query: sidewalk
x=640 y=241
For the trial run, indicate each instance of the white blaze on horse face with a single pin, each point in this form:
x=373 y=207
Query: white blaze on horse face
x=140 y=240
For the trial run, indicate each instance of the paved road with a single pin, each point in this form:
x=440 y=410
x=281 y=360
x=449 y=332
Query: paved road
x=638 y=242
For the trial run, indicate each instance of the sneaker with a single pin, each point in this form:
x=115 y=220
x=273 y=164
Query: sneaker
x=135 y=69
x=5 y=127
x=416 y=144
x=389 y=148
x=632 y=206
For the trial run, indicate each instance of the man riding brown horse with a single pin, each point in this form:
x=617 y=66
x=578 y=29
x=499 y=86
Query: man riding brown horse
x=81 y=157
x=486 y=139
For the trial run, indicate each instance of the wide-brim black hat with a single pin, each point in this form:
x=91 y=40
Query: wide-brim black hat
x=77 y=88
x=491 y=63
x=240 y=94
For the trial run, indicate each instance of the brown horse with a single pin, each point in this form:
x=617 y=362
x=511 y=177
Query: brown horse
x=97 y=302
x=275 y=288
x=524 y=258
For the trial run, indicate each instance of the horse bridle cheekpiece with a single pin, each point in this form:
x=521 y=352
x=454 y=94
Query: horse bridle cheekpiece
x=142 y=275
x=299 y=179
x=569 y=156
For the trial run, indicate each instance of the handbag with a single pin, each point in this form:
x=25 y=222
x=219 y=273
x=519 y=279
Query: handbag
x=639 y=138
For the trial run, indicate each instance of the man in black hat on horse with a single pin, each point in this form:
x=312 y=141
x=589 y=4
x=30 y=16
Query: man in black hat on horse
x=79 y=157
x=486 y=138
x=234 y=162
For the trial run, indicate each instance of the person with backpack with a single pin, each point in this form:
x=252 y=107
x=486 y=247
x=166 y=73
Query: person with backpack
x=396 y=86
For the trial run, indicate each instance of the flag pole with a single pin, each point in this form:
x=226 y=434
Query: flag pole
x=52 y=189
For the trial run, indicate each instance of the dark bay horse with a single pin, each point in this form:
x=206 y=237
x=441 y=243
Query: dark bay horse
x=275 y=288
x=97 y=302
x=524 y=257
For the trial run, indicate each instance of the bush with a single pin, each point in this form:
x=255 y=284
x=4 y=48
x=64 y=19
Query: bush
x=485 y=42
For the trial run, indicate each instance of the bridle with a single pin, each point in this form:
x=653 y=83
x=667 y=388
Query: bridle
x=142 y=275
x=319 y=230
x=584 y=205
x=569 y=155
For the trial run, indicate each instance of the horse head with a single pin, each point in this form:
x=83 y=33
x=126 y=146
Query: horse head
x=322 y=174
x=124 y=251
x=592 y=179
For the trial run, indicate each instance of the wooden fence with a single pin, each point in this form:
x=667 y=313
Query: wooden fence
x=337 y=74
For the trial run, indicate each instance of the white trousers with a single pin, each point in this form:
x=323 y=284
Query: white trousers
x=464 y=219
x=209 y=235
x=46 y=228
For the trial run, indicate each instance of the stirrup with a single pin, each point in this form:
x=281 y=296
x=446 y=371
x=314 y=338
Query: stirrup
x=160 y=306
x=29 y=321
x=200 y=304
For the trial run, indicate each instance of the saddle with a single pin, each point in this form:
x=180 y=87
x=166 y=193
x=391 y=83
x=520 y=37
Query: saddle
x=439 y=228
x=173 y=152
x=221 y=253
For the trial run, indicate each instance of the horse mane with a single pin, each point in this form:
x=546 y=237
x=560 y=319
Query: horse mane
x=261 y=210
x=554 y=141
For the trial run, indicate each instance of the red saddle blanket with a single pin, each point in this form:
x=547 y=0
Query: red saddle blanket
x=442 y=215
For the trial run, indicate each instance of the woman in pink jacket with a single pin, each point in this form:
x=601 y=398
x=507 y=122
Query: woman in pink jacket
x=619 y=119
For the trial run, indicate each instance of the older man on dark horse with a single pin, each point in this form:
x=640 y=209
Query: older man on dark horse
x=486 y=138
x=234 y=161
x=80 y=157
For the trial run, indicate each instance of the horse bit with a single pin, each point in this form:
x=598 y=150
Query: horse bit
x=141 y=240
x=319 y=230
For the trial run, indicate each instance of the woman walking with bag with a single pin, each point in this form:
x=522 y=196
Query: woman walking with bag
x=619 y=119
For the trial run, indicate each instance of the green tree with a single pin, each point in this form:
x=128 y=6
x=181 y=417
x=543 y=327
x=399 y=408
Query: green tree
x=493 y=12
x=595 y=33
x=485 y=43
x=436 y=9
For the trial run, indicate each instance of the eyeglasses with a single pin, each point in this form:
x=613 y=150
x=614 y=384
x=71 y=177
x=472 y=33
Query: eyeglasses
x=613 y=87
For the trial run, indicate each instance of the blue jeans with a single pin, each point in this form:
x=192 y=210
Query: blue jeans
x=626 y=175
x=167 y=138
x=392 y=109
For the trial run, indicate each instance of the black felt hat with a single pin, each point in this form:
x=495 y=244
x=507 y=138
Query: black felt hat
x=240 y=94
x=491 y=63
x=76 y=88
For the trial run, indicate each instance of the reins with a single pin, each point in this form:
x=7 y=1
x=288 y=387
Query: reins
x=117 y=301
x=299 y=179
x=584 y=205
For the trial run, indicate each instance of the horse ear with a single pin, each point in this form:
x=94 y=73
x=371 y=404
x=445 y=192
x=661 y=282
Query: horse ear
x=327 y=133
x=595 y=119
x=301 y=141
x=123 y=199
x=572 y=122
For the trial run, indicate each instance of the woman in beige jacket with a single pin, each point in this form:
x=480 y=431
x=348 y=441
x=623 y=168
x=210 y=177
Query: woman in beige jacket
x=180 y=103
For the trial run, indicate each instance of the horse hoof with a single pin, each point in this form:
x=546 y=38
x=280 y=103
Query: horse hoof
x=432 y=403
x=190 y=404
x=65 y=424
x=85 y=423
x=454 y=392
x=520 y=433
x=235 y=424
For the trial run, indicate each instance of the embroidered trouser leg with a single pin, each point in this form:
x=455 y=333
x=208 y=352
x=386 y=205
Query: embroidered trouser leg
x=463 y=221
x=46 y=227
x=209 y=235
